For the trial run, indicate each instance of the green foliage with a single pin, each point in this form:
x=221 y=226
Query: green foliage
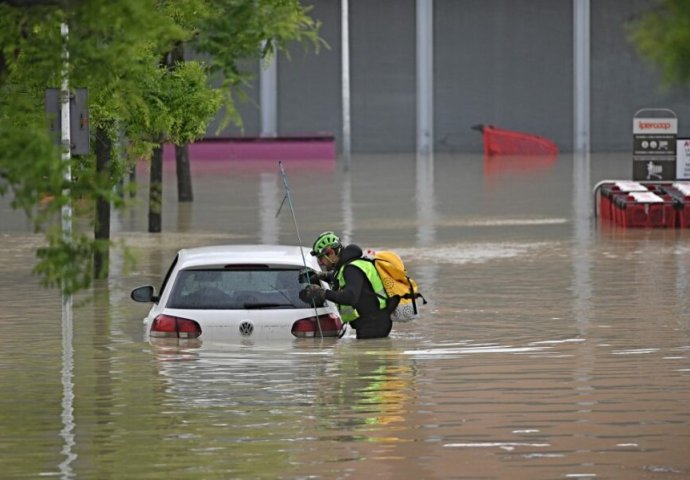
x=178 y=104
x=27 y=168
x=662 y=35
x=118 y=51
x=250 y=29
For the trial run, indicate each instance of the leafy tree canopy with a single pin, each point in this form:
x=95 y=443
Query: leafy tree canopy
x=662 y=35
x=118 y=50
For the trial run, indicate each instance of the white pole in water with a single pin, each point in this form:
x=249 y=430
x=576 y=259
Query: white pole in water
x=269 y=96
x=67 y=328
x=65 y=134
x=581 y=68
x=345 y=61
x=425 y=76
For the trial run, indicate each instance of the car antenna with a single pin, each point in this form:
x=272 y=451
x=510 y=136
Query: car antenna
x=288 y=197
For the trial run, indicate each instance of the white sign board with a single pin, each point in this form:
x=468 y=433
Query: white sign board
x=683 y=159
x=655 y=125
x=654 y=144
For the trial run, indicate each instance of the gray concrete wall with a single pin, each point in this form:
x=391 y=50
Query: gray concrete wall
x=502 y=62
x=623 y=83
x=309 y=83
x=505 y=62
x=247 y=104
x=383 y=78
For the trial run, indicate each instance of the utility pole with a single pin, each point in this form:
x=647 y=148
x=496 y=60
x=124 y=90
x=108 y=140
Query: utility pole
x=66 y=141
x=581 y=80
x=66 y=213
x=345 y=79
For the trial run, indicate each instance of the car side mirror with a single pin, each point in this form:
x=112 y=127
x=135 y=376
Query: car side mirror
x=144 y=294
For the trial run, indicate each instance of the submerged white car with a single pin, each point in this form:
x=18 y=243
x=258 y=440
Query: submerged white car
x=237 y=292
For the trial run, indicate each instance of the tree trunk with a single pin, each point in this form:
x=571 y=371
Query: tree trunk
x=132 y=181
x=156 y=190
x=102 y=226
x=184 y=175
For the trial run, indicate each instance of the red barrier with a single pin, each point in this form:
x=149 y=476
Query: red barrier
x=506 y=142
x=644 y=210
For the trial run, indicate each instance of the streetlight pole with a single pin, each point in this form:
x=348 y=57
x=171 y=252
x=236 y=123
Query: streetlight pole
x=67 y=327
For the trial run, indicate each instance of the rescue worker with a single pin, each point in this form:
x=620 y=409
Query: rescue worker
x=358 y=290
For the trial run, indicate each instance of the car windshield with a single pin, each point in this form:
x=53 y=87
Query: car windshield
x=234 y=289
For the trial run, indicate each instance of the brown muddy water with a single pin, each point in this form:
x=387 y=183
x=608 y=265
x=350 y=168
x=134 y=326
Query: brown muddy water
x=551 y=347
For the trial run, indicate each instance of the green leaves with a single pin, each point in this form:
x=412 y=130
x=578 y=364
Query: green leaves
x=118 y=51
x=192 y=103
x=252 y=28
x=662 y=35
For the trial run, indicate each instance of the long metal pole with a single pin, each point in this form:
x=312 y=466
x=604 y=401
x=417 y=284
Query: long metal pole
x=65 y=134
x=345 y=60
x=425 y=76
x=288 y=197
x=581 y=68
x=67 y=327
x=269 y=96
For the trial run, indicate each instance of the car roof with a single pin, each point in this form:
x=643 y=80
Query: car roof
x=220 y=255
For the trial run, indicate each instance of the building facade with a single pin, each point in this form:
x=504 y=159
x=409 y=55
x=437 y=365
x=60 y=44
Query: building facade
x=509 y=63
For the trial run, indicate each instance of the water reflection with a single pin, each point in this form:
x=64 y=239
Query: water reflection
x=551 y=347
x=424 y=197
x=269 y=197
x=67 y=432
x=427 y=219
x=184 y=216
x=348 y=220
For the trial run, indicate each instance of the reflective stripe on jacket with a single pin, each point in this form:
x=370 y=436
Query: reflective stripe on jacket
x=349 y=313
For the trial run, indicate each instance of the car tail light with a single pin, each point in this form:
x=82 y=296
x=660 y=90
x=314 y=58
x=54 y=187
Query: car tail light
x=328 y=326
x=168 y=326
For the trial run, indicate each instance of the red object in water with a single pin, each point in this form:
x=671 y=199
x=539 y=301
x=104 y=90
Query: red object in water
x=326 y=326
x=644 y=210
x=174 y=327
x=609 y=191
x=513 y=165
x=506 y=142
x=680 y=194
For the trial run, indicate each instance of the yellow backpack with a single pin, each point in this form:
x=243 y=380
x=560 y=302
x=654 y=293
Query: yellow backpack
x=397 y=283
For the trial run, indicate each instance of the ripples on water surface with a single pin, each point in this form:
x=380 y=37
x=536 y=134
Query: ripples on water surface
x=550 y=348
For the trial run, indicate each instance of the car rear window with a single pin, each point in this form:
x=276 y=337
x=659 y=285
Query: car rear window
x=236 y=289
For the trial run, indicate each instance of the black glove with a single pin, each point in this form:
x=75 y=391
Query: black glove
x=313 y=293
x=314 y=277
x=321 y=277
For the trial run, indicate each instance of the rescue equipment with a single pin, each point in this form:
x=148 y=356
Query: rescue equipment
x=397 y=284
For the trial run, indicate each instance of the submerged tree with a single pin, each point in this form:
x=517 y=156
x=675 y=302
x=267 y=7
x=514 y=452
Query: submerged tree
x=115 y=50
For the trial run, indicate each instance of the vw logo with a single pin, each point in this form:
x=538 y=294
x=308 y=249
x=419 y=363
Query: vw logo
x=246 y=328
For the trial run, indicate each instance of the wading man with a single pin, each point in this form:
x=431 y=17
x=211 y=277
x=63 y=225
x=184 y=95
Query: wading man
x=358 y=289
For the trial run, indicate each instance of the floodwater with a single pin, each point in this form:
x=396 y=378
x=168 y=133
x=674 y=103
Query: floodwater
x=551 y=347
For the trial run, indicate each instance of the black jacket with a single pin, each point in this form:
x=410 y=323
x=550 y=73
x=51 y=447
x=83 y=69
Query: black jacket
x=358 y=292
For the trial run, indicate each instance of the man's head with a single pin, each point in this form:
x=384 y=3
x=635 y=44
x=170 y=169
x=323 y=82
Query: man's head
x=327 y=248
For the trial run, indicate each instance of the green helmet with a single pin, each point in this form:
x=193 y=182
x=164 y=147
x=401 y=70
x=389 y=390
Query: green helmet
x=323 y=241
